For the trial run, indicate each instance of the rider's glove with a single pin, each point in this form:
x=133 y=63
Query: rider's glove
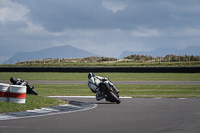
x=104 y=79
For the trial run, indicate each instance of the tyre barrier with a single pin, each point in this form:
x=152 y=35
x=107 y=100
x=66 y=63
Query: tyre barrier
x=12 y=93
x=4 y=90
x=17 y=94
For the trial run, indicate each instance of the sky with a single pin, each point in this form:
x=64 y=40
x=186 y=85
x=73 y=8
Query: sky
x=102 y=27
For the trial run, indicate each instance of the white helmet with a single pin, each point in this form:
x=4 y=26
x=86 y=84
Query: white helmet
x=91 y=74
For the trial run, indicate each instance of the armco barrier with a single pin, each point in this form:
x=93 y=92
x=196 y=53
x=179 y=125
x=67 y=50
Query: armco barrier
x=104 y=69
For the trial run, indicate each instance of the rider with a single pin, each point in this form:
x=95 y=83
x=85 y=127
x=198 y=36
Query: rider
x=29 y=89
x=16 y=82
x=93 y=84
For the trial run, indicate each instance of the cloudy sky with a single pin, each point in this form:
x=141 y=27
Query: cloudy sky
x=103 y=27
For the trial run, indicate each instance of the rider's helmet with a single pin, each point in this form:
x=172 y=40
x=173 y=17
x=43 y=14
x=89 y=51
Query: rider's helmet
x=12 y=80
x=91 y=74
x=19 y=82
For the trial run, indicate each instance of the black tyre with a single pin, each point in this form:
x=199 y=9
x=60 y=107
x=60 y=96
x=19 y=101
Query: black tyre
x=34 y=92
x=113 y=97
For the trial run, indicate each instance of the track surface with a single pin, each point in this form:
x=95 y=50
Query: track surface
x=137 y=115
x=115 y=82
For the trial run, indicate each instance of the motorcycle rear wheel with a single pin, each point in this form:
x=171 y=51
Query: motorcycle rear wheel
x=34 y=92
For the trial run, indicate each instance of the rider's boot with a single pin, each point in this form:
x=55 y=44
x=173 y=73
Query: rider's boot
x=99 y=96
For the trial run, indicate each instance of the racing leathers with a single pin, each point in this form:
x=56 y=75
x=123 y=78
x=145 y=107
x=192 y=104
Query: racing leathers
x=93 y=84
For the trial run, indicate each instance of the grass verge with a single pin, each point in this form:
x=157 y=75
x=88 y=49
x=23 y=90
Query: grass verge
x=32 y=102
x=125 y=90
x=28 y=76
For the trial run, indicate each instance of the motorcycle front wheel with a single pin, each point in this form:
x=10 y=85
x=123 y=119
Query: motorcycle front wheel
x=113 y=97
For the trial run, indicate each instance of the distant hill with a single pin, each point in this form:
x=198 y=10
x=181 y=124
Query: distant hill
x=66 y=51
x=192 y=50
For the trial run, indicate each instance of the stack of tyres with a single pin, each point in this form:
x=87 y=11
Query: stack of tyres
x=4 y=92
x=17 y=94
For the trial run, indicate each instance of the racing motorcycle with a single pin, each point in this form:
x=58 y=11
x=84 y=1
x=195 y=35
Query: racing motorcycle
x=108 y=92
x=29 y=89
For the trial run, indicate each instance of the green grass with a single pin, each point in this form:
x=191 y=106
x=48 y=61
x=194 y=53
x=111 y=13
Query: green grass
x=32 y=102
x=63 y=90
x=160 y=90
x=112 y=76
x=32 y=76
x=125 y=90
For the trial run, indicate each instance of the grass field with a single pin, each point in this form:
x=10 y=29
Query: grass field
x=140 y=90
x=125 y=90
x=44 y=76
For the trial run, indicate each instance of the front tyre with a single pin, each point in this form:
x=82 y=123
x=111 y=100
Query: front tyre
x=113 y=97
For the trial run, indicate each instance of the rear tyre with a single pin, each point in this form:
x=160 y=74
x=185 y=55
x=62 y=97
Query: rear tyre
x=34 y=92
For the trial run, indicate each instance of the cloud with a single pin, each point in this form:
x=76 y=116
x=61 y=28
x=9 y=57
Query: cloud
x=105 y=27
x=114 y=6
x=57 y=16
x=144 y=32
x=12 y=12
x=188 y=32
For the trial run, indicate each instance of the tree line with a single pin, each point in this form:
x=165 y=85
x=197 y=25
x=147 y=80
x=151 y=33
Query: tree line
x=169 y=57
x=69 y=60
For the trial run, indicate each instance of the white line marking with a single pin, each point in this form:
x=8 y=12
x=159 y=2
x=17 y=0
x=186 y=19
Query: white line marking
x=11 y=127
x=82 y=97
x=158 y=98
x=43 y=112
x=182 y=98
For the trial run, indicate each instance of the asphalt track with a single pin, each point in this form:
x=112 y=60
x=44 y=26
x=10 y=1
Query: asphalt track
x=135 y=115
x=115 y=82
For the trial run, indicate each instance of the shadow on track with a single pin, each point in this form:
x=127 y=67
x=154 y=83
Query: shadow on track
x=101 y=103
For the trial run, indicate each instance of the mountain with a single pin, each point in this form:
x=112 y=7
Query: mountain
x=66 y=51
x=191 y=50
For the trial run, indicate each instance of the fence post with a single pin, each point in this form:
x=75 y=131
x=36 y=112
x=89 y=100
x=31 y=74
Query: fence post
x=199 y=59
x=159 y=60
x=133 y=59
x=189 y=58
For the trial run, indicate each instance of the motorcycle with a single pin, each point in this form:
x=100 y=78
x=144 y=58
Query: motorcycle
x=109 y=93
x=29 y=89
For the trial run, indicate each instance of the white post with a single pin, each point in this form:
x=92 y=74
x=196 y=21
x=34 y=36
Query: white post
x=159 y=60
x=189 y=58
